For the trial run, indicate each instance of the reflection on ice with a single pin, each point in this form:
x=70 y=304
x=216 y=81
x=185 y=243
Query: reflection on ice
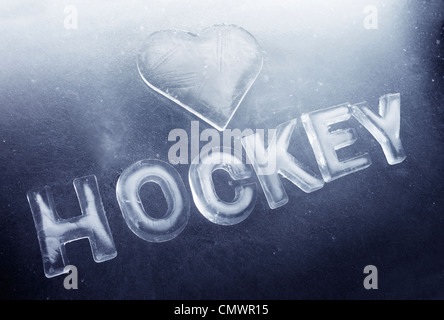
x=208 y=75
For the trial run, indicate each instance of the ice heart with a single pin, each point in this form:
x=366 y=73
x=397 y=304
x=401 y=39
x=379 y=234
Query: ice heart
x=208 y=75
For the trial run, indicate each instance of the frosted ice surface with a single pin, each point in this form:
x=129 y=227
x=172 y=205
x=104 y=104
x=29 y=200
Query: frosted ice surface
x=207 y=74
x=276 y=160
x=325 y=142
x=53 y=232
x=137 y=215
x=384 y=126
x=204 y=194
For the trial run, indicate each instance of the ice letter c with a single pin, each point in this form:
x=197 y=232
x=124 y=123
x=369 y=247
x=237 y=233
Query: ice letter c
x=204 y=193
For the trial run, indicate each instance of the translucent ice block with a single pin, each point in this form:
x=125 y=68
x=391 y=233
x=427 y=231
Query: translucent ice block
x=325 y=142
x=53 y=232
x=207 y=74
x=384 y=126
x=274 y=160
x=204 y=194
x=137 y=215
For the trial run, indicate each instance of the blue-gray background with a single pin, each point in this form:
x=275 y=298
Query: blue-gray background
x=72 y=104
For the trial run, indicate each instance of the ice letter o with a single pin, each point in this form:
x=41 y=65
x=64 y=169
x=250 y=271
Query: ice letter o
x=54 y=232
x=137 y=217
x=204 y=193
x=325 y=143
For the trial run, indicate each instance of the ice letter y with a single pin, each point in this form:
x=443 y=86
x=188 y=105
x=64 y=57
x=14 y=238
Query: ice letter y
x=385 y=126
x=53 y=232
x=276 y=160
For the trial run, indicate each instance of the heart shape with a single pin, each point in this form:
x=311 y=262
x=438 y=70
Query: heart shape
x=207 y=74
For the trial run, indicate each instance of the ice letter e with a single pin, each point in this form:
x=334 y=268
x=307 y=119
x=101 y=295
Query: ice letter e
x=53 y=232
x=137 y=216
x=325 y=142
x=384 y=127
x=275 y=159
x=204 y=193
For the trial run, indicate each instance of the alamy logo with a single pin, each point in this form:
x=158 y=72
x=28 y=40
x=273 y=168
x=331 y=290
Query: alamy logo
x=71 y=21
x=371 y=281
x=371 y=18
x=71 y=281
x=186 y=149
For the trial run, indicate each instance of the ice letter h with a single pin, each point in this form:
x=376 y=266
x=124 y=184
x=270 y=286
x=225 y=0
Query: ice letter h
x=54 y=232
